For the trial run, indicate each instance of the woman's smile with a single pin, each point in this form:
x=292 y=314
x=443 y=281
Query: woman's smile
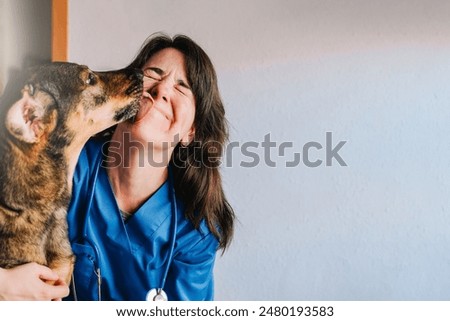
x=147 y=105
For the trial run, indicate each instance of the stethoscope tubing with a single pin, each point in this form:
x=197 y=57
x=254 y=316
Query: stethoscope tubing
x=174 y=227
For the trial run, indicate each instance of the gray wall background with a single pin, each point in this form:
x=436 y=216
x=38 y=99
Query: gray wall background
x=374 y=73
x=25 y=36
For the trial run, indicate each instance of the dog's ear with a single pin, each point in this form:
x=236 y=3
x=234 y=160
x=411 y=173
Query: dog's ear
x=24 y=119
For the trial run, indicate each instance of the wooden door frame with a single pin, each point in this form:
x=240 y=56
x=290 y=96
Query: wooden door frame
x=59 y=30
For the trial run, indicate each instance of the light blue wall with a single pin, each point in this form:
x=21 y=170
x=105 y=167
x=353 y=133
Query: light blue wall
x=376 y=75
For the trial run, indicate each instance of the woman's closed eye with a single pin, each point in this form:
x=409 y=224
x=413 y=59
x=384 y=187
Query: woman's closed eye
x=183 y=87
x=153 y=73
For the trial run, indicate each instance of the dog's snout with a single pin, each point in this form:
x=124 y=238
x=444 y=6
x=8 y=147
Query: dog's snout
x=134 y=74
x=139 y=74
x=136 y=77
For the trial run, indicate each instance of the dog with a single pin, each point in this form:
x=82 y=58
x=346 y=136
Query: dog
x=42 y=133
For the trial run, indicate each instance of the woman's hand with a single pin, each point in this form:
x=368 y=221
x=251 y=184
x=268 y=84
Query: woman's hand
x=28 y=282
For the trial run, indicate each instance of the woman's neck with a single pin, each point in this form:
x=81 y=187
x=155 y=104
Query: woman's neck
x=134 y=177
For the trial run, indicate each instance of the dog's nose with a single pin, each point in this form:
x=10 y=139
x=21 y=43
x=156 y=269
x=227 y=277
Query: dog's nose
x=139 y=73
x=137 y=78
x=134 y=74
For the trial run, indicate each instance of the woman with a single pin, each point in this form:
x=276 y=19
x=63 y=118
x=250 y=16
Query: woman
x=148 y=211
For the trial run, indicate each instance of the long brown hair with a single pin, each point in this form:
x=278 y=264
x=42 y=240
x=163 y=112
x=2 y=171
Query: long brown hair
x=195 y=167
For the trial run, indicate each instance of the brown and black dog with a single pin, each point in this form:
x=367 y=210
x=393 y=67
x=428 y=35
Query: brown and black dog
x=42 y=133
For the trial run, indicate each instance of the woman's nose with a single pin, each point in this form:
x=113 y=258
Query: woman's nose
x=159 y=91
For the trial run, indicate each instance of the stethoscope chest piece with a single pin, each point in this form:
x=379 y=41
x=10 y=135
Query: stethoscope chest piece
x=156 y=295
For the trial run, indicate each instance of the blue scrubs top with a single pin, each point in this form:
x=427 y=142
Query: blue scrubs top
x=123 y=260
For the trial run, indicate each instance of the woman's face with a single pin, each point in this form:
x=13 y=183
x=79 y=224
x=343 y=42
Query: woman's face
x=168 y=105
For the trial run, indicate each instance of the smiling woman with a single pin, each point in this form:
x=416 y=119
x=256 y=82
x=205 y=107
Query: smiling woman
x=160 y=225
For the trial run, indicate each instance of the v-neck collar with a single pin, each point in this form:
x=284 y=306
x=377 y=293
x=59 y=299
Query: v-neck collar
x=144 y=223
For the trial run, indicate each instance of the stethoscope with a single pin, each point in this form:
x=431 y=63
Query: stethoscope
x=155 y=294
x=158 y=294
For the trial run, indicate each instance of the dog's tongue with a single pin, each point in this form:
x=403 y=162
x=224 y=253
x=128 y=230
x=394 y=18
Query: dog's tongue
x=146 y=94
x=145 y=105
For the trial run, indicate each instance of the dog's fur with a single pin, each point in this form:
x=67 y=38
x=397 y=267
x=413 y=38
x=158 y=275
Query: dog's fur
x=42 y=134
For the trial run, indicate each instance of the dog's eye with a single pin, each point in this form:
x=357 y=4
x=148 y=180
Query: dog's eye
x=91 y=80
